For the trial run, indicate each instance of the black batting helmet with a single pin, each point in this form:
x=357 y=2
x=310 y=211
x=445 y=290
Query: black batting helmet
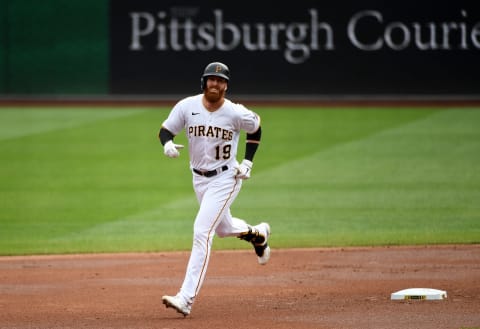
x=215 y=69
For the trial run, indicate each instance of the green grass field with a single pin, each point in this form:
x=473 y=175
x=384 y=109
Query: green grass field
x=96 y=180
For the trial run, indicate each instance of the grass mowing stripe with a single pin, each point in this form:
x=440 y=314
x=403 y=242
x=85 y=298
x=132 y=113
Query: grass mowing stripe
x=394 y=187
x=83 y=172
x=150 y=230
x=64 y=181
x=290 y=133
x=18 y=122
x=330 y=177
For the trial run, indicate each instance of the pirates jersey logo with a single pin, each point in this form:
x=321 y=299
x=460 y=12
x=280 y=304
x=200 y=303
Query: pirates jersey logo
x=210 y=131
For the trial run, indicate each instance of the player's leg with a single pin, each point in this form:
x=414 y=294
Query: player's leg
x=232 y=226
x=257 y=235
x=214 y=204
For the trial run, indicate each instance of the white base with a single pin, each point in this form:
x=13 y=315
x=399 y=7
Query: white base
x=419 y=293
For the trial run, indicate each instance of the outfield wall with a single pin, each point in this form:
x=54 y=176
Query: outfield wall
x=54 y=47
x=312 y=49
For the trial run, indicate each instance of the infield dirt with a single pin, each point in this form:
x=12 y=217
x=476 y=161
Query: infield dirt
x=298 y=288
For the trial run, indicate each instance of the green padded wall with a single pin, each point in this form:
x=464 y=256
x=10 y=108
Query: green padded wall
x=54 y=47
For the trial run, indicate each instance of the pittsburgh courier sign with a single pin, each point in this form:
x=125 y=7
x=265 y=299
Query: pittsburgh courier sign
x=367 y=30
x=364 y=47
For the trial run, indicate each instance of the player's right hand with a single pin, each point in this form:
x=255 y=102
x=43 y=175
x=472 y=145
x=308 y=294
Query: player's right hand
x=170 y=149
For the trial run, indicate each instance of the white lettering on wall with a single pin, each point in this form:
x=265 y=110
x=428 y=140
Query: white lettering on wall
x=296 y=41
x=400 y=35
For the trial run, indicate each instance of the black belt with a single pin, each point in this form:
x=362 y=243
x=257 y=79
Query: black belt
x=210 y=173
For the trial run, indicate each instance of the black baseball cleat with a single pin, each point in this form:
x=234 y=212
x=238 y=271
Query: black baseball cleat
x=258 y=236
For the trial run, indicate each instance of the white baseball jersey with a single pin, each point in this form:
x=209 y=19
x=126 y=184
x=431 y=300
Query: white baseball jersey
x=212 y=136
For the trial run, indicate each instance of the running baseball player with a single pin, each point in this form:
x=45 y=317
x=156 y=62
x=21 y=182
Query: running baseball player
x=213 y=124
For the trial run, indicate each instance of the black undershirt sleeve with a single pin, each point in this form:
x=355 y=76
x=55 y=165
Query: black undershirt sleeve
x=253 y=140
x=164 y=135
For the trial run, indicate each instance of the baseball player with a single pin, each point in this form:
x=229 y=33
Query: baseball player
x=213 y=124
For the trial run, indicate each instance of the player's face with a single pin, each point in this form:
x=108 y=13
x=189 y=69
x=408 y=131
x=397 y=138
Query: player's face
x=215 y=89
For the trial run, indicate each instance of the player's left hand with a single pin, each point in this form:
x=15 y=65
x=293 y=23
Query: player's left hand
x=244 y=169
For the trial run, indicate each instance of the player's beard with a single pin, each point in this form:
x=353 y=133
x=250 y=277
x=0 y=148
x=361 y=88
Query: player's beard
x=214 y=95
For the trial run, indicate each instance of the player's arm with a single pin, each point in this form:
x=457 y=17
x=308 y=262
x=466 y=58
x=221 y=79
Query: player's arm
x=169 y=147
x=165 y=135
x=252 y=143
x=253 y=140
